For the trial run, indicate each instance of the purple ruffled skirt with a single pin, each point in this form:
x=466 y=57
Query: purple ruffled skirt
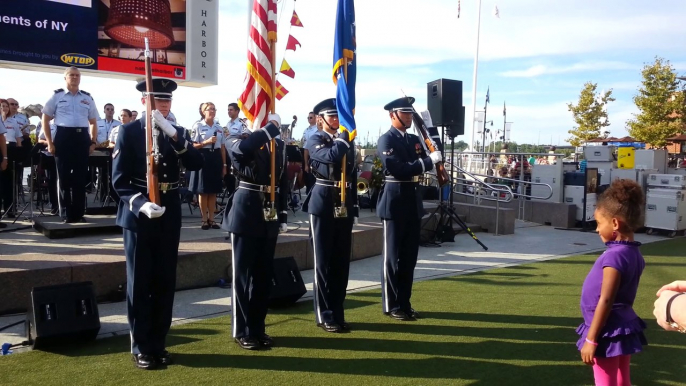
x=625 y=338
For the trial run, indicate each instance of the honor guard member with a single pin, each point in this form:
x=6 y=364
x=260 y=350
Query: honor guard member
x=151 y=232
x=331 y=221
x=309 y=177
x=400 y=207
x=74 y=112
x=254 y=229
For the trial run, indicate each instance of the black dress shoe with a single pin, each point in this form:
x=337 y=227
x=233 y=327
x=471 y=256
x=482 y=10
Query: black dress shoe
x=266 y=341
x=164 y=358
x=413 y=314
x=330 y=327
x=399 y=315
x=248 y=343
x=144 y=361
x=345 y=326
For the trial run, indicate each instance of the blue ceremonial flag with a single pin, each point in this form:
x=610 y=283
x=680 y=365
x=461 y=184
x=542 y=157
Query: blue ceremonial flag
x=344 y=50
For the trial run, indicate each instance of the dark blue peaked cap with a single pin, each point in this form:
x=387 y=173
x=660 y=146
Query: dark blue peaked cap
x=161 y=88
x=326 y=107
x=404 y=105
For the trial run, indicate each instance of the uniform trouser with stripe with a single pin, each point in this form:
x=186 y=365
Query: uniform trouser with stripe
x=71 y=158
x=331 y=242
x=151 y=256
x=400 y=249
x=252 y=265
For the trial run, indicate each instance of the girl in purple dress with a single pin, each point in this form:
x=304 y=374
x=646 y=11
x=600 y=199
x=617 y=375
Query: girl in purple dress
x=612 y=331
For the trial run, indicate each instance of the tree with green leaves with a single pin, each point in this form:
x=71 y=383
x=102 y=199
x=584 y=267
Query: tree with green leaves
x=460 y=146
x=590 y=114
x=660 y=100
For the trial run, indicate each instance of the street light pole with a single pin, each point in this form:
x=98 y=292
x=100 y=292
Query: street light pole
x=483 y=143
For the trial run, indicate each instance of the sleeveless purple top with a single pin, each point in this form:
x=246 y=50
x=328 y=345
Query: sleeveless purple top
x=623 y=332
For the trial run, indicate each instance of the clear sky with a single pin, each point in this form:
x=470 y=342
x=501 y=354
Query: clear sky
x=535 y=57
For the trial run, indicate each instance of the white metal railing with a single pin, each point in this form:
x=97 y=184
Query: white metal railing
x=522 y=183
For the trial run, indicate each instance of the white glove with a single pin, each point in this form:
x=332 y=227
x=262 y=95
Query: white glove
x=356 y=220
x=152 y=210
x=274 y=117
x=283 y=227
x=163 y=123
x=436 y=157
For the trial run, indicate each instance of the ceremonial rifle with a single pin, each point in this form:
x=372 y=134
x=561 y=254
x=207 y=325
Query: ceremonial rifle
x=441 y=174
x=152 y=148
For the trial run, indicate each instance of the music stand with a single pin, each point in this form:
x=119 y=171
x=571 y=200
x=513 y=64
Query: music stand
x=15 y=196
x=107 y=184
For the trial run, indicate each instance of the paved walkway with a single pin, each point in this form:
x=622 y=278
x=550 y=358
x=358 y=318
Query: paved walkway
x=530 y=243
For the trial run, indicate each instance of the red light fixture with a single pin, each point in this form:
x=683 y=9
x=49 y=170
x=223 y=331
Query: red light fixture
x=131 y=21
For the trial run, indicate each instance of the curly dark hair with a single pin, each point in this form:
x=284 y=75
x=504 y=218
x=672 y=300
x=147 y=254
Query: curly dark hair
x=624 y=199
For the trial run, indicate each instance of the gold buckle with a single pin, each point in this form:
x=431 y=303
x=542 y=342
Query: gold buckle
x=415 y=179
x=164 y=186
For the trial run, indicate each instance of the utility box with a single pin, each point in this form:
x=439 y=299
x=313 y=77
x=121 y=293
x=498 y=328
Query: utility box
x=599 y=153
x=672 y=181
x=549 y=175
x=625 y=158
x=665 y=210
x=575 y=195
x=651 y=159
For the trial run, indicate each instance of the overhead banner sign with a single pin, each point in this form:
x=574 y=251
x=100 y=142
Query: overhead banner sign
x=103 y=37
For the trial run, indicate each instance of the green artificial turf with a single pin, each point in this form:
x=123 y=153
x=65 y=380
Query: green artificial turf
x=512 y=326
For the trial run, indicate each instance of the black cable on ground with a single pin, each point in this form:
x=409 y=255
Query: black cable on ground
x=12 y=325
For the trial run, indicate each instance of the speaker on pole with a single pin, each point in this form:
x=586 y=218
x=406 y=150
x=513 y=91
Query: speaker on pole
x=458 y=128
x=287 y=283
x=444 y=100
x=62 y=314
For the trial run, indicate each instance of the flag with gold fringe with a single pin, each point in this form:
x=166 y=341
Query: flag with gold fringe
x=345 y=65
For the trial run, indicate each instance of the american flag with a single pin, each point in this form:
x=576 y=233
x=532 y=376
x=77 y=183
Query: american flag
x=256 y=100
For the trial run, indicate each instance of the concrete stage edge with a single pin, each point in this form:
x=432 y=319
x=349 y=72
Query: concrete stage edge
x=202 y=263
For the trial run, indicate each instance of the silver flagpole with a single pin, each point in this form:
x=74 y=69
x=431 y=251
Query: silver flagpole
x=476 y=69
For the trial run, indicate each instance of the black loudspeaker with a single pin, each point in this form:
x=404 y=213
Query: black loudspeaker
x=287 y=284
x=444 y=100
x=62 y=314
x=457 y=129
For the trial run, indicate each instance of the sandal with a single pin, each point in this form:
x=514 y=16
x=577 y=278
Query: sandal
x=214 y=225
x=205 y=225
